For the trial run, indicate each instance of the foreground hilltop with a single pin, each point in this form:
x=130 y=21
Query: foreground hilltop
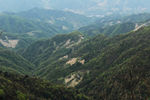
x=17 y=87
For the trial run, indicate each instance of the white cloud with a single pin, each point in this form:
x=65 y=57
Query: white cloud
x=109 y=13
x=74 y=11
x=115 y=9
x=127 y=9
x=102 y=4
x=46 y=4
x=99 y=5
x=143 y=9
x=117 y=2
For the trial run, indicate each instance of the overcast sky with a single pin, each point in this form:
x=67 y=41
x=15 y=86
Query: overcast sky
x=79 y=6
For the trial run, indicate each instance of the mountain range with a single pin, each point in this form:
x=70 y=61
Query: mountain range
x=100 y=59
x=112 y=25
x=25 y=27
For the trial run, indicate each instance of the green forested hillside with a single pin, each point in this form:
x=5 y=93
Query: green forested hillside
x=16 y=42
x=120 y=68
x=52 y=48
x=51 y=55
x=12 y=62
x=23 y=87
x=16 y=87
x=125 y=80
x=103 y=67
x=93 y=30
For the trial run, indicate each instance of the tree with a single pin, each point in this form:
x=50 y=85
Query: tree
x=1 y=34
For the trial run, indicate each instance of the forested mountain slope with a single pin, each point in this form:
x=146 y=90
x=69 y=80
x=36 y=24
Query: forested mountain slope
x=119 y=28
x=52 y=48
x=51 y=55
x=12 y=62
x=123 y=80
x=95 y=65
x=119 y=68
x=16 y=42
x=17 y=87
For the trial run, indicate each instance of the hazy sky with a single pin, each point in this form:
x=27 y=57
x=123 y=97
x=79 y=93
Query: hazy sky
x=79 y=6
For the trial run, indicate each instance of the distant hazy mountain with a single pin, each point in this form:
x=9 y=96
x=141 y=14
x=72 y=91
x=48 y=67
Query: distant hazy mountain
x=24 y=27
x=64 y=19
x=112 y=25
x=18 y=5
x=89 y=7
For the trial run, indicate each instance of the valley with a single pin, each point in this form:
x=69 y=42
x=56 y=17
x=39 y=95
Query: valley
x=57 y=55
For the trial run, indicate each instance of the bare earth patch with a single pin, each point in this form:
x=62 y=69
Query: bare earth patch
x=72 y=61
x=9 y=43
x=64 y=57
x=70 y=43
x=137 y=27
x=81 y=61
x=75 y=78
x=67 y=42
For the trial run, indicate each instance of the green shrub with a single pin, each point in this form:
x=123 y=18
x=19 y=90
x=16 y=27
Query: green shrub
x=2 y=93
x=21 y=96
